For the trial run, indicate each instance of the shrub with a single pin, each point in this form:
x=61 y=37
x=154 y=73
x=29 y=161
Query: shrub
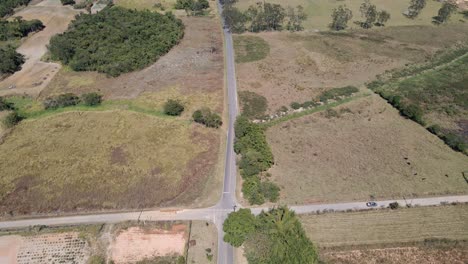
x=173 y=108
x=206 y=117
x=308 y=104
x=435 y=129
x=454 y=141
x=11 y=60
x=394 y=205
x=91 y=99
x=63 y=100
x=4 y=105
x=12 y=119
x=116 y=40
x=270 y=190
x=335 y=93
x=7 y=6
x=251 y=191
x=413 y=112
x=67 y=2
x=295 y=105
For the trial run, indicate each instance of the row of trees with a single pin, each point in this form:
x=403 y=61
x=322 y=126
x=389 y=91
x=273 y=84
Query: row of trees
x=372 y=17
x=263 y=17
x=70 y=99
x=116 y=40
x=194 y=7
x=206 y=117
x=256 y=158
x=18 y=28
x=7 y=6
x=273 y=237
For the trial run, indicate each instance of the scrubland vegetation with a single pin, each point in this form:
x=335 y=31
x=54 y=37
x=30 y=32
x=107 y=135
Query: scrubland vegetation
x=11 y=60
x=116 y=40
x=7 y=6
x=275 y=236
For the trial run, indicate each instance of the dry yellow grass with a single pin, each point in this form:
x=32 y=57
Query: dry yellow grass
x=367 y=149
x=387 y=226
x=206 y=237
x=110 y=159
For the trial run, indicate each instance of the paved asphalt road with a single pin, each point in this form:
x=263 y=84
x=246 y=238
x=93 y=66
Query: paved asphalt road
x=219 y=212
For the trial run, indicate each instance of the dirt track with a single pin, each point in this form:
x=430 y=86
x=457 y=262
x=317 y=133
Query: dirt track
x=35 y=74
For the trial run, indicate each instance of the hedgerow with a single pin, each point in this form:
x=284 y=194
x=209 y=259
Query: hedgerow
x=116 y=40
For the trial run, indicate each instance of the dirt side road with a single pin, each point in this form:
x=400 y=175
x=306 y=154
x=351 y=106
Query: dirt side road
x=35 y=74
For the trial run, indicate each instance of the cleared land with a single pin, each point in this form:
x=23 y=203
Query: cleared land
x=299 y=66
x=36 y=74
x=128 y=242
x=319 y=11
x=361 y=149
x=407 y=235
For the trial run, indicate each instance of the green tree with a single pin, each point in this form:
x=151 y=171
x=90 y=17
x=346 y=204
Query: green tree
x=173 y=108
x=234 y=19
x=11 y=60
x=295 y=18
x=444 y=13
x=91 y=99
x=369 y=13
x=382 y=17
x=415 y=8
x=340 y=16
x=67 y=2
x=238 y=226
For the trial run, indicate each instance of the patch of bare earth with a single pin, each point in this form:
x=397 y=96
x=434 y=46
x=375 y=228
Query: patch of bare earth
x=363 y=148
x=36 y=74
x=136 y=244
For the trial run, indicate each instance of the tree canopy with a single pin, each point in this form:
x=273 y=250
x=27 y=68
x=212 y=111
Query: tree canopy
x=272 y=237
x=11 y=60
x=7 y=6
x=116 y=40
x=18 y=28
x=340 y=17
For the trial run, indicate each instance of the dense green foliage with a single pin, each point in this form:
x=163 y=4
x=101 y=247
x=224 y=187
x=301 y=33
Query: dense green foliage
x=274 y=237
x=18 y=28
x=250 y=48
x=196 y=6
x=206 y=117
x=11 y=60
x=5 y=105
x=67 y=2
x=340 y=17
x=253 y=105
x=415 y=8
x=91 y=99
x=264 y=17
x=439 y=86
x=7 y=6
x=173 y=107
x=256 y=158
x=70 y=99
x=12 y=119
x=444 y=13
x=336 y=93
x=116 y=40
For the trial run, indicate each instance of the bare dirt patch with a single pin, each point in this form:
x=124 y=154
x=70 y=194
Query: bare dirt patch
x=36 y=74
x=137 y=244
x=361 y=149
x=203 y=243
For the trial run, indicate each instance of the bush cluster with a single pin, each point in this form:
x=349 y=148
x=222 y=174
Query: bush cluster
x=116 y=40
x=336 y=93
x=411 y=111
x=7 y=6
x=192 y=5
x=67 y=2
x=256 y=157
x=455 y=141
x=11 y=60
x=274 y=236
x=18 y=28
x=173 y=107
x=206 y=117
x=4 y=105
x=70 y=99
x=12 y=119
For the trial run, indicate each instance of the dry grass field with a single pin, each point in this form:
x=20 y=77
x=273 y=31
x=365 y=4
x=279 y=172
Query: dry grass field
x=36 y=74
x=407 y=235
x=299 y=66
x=360 y=149
x=127 y=242
x=319 y=11
x=387 y=226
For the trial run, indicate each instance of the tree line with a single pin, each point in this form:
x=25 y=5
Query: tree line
x=7 y=7
x=263 y=17
x=274 y=237
x=116 y=40
x=18 y=28
x=192 y=7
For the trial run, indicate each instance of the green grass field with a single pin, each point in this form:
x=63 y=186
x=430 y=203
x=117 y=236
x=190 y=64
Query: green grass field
x=319 y=11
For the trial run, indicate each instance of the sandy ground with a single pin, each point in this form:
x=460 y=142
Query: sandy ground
x=136 y=244
x=46 y=248
x=35 y=74
x=367 y=149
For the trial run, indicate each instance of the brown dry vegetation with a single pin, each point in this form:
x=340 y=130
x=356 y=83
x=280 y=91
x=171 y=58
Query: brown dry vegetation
x=104 y=160
x=205 y=237
x=360 y=149
x=302 y=65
